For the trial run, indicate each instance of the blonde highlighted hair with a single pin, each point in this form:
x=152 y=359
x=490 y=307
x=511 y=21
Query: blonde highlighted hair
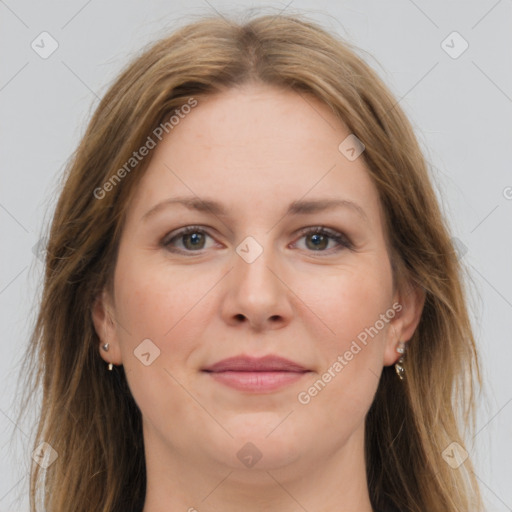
x=89 y=416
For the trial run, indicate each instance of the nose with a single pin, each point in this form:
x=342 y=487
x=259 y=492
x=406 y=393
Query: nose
x=257 y=293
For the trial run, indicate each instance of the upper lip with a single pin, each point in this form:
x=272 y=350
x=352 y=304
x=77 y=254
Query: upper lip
x=268 y=363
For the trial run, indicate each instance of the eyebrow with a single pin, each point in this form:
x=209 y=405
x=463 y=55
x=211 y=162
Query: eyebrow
x=299 y=207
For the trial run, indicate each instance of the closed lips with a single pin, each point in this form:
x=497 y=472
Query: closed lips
x=252 y=364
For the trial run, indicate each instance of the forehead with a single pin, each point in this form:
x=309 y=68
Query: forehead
x=254 y=148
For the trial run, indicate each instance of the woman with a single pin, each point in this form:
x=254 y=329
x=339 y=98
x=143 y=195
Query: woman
x=249 y=241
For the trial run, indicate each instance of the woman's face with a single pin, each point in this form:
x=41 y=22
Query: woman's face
x=258 y=166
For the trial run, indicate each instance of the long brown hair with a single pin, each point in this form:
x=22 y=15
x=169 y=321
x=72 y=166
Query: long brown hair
x=410 y=423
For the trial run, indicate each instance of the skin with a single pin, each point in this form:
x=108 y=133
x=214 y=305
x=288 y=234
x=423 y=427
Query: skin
x=255 y=149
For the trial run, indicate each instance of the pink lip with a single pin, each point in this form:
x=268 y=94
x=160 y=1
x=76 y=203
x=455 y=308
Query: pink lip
x=256 y=374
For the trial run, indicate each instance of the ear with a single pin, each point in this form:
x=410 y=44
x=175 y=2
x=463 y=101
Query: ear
x=408 y=305
x=105 y=326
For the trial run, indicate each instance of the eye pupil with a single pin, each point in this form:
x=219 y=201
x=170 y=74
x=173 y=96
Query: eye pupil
x=194 y=237
x=316 y=237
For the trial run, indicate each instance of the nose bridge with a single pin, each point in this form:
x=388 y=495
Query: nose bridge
x=252 y=261
x=255 y=291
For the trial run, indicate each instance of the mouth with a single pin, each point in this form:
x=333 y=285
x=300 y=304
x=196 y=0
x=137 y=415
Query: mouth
x=256 y=375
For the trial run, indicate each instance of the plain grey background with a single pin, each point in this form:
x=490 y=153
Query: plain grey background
x=460 y=104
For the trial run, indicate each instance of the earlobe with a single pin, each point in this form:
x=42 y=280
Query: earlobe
x=106 y=347
x=105 y=328
x=407 y=318
x=99 y=316
x=412 y=301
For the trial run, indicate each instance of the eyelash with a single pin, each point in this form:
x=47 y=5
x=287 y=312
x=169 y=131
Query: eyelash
x=339 y=238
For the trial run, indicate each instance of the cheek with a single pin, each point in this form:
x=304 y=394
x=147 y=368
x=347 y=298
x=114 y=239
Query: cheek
x=153 y=297
x=356 y=307
x=167 y=308
x=352 y=300
x=161 y=305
